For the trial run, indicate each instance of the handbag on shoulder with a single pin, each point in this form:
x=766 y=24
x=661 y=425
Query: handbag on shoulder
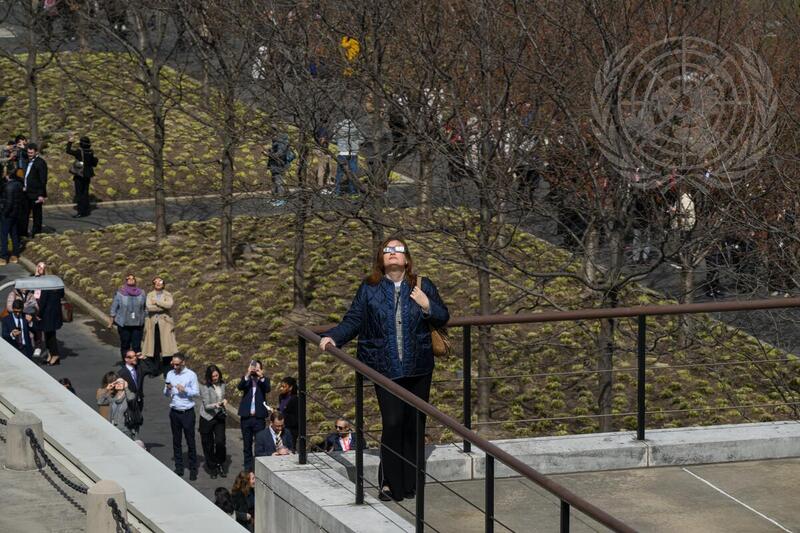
x=66 y=310
x=440 y=338
x=78 y=166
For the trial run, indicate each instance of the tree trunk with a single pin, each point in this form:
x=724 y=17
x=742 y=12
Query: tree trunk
x=485 y=300
x=686 y=296
x=606 y=341
x=228 y=158
x=592 y=247
x=300 y=217
x=605 y=376
x=425 y=181
x=159 y=139
x=31 y=81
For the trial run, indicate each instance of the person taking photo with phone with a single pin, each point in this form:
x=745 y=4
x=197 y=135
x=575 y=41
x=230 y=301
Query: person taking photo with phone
x=253 y=407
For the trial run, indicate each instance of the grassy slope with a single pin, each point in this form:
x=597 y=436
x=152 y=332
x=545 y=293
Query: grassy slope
x=125 y=170
x=227 y=317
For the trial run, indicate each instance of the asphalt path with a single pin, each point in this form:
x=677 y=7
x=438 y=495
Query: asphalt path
x=89 y=350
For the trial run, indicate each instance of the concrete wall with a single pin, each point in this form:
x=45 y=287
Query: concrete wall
x=319 y=496
x=294 y=498
x=158 y=500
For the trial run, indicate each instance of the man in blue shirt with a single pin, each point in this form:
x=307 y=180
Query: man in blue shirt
x=181 y=387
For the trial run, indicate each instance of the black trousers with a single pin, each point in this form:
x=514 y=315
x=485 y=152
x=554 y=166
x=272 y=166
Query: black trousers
x=51 y=342
x=398 y=439
x=212 y=437
x=82 y=194
x=31 y=206
x=130 y=338
x=182 y=425
x=250 y=426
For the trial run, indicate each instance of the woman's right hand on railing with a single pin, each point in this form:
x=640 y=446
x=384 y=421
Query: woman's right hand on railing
x=324 y=342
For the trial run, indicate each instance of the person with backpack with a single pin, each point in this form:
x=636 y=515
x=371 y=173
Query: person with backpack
x=82 y=171
x=280 y=157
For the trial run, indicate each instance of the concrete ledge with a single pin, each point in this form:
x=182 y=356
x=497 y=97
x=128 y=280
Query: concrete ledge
x=572 y=453
x=314 y=497
x=97 y=450
x=725 y=443
x=444 y=463
x=319 y=496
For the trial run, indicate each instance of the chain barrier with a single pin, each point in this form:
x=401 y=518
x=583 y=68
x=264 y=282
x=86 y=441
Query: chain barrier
x=39 y=451
x=122 y=524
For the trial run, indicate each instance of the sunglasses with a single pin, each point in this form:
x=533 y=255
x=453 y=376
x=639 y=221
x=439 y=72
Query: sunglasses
x=341 y=428
x=394 y=249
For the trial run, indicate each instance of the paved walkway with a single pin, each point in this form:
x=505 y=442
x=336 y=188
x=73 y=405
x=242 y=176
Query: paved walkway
x=88 y=351
x=726 y=498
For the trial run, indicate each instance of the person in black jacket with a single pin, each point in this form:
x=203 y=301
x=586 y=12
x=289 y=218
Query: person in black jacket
x=82 y=172
x=16 y=331
x=244 y=499
x=50 y=321
x=288 y=406
x=252 y=408
x=13 y=204
x=34 y=184
x=343 y=439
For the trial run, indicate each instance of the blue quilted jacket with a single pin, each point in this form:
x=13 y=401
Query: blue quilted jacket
x=371 y=318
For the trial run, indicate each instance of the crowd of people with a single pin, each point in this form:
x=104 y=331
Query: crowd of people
x=392 y=314
x=31 y=320
x=24 y=190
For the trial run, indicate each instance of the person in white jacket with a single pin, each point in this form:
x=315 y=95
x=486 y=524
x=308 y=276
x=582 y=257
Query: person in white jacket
x=348 y=139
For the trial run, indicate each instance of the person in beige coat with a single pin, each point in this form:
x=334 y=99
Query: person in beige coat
x=159 y=328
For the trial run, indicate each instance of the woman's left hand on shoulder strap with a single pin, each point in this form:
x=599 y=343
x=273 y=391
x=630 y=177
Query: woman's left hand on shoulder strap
x=421 y=298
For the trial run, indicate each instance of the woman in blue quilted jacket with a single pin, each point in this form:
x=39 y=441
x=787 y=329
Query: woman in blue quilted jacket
x=392 y=317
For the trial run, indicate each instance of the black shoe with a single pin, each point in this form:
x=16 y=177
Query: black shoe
x=222 y=472
x=179 y=471
x=410 y=494
x=79 y=216
x=192 y=475
x=212 y=471
x=385 y=495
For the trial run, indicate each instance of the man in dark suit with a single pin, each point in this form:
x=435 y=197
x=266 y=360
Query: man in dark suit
x=34 y=184
x=343 y=439
x=135 y=379
x=15 y=330
x=253 y=407
x=13 y=204
x=275 y=439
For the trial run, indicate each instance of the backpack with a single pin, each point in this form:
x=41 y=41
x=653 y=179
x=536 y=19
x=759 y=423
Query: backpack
x=133 y=415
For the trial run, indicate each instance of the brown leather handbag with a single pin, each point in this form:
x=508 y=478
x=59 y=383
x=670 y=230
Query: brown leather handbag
x=440 y=338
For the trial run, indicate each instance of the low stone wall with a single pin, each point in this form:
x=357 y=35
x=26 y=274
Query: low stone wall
x=320 y=496
x=158 y=500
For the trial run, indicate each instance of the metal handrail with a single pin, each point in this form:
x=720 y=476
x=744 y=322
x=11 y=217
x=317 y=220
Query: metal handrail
x=464 y=429
x=565 y=495
x=613 y=312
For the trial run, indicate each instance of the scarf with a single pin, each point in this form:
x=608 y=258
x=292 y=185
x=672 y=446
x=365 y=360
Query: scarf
x=127 y=290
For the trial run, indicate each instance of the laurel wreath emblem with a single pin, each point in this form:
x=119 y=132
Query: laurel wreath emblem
x=684 y=106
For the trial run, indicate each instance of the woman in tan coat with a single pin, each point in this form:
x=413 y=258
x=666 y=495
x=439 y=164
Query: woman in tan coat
x=159 y=328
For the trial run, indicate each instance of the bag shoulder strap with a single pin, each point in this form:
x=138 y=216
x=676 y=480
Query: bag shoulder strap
x=419 y=282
